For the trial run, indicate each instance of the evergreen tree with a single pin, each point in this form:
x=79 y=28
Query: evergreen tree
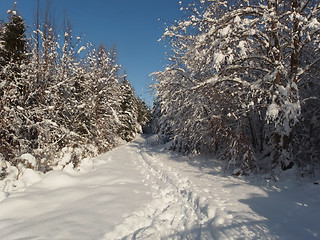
x=144 y=115
x=14 y=38
x=129 y=112
x=14 y=90
x=55 y=104
x=104 y=98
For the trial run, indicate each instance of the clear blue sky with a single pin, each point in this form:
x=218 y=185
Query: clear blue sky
x=133 y=25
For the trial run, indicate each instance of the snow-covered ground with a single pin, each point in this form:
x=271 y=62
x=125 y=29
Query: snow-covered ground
x=139 y=191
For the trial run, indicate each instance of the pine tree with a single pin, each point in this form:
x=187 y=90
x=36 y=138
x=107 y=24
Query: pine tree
x=13 y=88
x=14 y=38
x=129 y=112
x=144 y=115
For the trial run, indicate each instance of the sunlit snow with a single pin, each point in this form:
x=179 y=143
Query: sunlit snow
x=139 y=191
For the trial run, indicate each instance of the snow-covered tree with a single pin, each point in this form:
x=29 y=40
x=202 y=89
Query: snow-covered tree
x=13 y=87
x=241 y=62
x=129 y=112
x=144 y=115
x=58 y=99
x=14 y=38
x=306 y=132
x=104 y=96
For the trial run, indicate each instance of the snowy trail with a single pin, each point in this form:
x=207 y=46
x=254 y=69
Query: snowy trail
x=138 y=191
x=173 y=212
x=181 y=209
x=77 y=206
x=193 y=201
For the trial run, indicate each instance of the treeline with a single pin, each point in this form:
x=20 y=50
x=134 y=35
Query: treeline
x=243 y=83
x=58 y=96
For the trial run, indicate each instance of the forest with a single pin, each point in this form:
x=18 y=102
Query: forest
x=60 y=97
x=230 y=148
x=241 y=84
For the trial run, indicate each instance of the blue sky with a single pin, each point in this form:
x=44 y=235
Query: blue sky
x=133 y=25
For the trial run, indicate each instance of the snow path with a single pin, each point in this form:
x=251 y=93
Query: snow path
x=138 y=191
x=77 y=206
x=195 y=201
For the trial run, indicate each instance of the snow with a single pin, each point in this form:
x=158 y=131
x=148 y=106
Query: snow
x=218 y=59
x=81 y=49
x=314 y=24
x=140 y=191
x=18 y=179
x=237 y=19
x=243 y=49
x=29 y=159
x=273 y=110
x=12 y=11
x=225 y=31
x=3 y=82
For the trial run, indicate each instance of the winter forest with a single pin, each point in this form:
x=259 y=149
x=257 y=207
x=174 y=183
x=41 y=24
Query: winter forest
x=229 y=149
x=60 y=96
x=241 y=84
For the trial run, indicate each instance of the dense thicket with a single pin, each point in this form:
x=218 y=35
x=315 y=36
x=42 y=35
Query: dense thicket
x=57 y=105
x=243 y=82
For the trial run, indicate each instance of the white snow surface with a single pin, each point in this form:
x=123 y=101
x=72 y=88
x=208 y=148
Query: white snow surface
x=141 y=191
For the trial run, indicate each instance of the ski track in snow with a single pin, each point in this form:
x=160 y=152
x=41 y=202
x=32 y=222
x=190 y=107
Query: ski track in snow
x=200 y=203
x=139 y=192
x=180 y=209
x=174 y=211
